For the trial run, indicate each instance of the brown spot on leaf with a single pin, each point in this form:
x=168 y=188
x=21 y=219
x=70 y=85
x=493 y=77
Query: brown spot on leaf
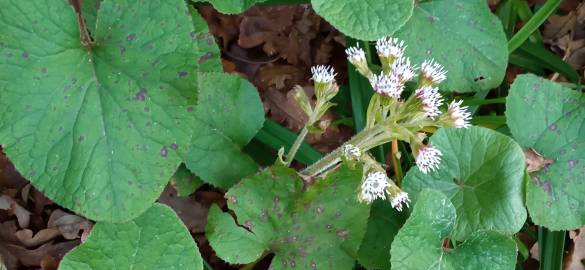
x=534 y=161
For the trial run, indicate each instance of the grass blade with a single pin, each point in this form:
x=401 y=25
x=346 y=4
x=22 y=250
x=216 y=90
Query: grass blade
x=277 y=136
x=551 y=246
x=532 y=25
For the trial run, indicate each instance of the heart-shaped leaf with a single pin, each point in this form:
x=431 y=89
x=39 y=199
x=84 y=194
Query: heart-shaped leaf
x=320 y=228
x=383 y=226
x=365 y=19
x=550 y=119
x=482 y=173
x=98 y=128
x=464 y=36
x=420 y=242
x=229 y=114
x=157 y=239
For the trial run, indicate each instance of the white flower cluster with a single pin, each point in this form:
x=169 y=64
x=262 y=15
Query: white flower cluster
x=433 y=71
x=387 y=85
x=431 y=100
x=428 y=158
x=377 y=185
x=390 y=47
x=323 y=74
x=459 y=114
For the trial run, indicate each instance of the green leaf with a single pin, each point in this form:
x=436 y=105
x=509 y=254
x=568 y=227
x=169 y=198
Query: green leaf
x=320 y=228
x=550 y=119
x=365 y=19
x=229 y=114
x=383 y=226
x=482 y=173
x=100 y=130
x=231 y=6
x=185 y=182
x=418 y=244
x=157 y=239
x=464 y=36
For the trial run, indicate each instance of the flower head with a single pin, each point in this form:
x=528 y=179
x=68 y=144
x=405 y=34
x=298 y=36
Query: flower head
x=373 y=187
x=398 y=199
x=323 y=74
x=403 y=70
x=459 y=114
x=351 y=152
x=431 y=100
x=387 y=85
x=433 y=72
x=390 y=47
x=428 y=158
x=355 y=55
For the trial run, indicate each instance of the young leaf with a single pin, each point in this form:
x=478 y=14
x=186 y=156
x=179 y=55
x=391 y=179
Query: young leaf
x=157 y=239
x=418 y=245
x=320 y=228
x=549 y=118
x=185 y=182
x=365 y=19
x=464 y=36
x=229 y=114
x=98 y=128
x=482 y=173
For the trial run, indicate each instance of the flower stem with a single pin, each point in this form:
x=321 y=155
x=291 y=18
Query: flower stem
x=365 y=140
x=396 y=162
x=295 y=147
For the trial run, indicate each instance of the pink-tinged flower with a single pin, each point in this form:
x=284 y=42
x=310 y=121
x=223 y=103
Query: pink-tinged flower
x=323 y=74
x=373 y=187
x=459 y=114
x=387 y=85
x=431 y=100
x=403 y=70
x=433 y=71
x=390 y=47
x=428 y=158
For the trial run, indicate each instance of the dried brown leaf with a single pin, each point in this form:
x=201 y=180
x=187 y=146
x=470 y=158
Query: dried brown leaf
x=22 y=215
x=191 y=212
x=45 y=235
x=69 y=225
x=574 y=261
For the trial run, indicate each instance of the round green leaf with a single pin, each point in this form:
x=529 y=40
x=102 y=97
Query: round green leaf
x=383 y=225
x=481 y=172
x=100 y=130
x=418 y=245
x=550 y=119
x=365 y=19
x=464 y=36
x=157 y=239
x=232 y=6
x=229 y=115
x=320 y=228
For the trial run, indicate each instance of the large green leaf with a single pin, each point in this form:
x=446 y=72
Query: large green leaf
x=482 y=173
x=157 y=239
x=383 y=226
x=550 y=119
x=365 y=19
x=232 y=6
x=464 y=36
x=320 y=228
x=100 y=130
x=419 y=244
x=229 y=114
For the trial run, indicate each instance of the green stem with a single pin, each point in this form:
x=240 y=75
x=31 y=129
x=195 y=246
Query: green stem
x=295 y=147
x=532 y=25
x=365 y=140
